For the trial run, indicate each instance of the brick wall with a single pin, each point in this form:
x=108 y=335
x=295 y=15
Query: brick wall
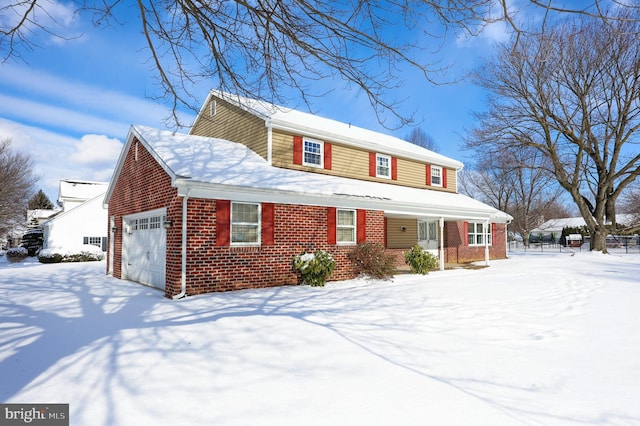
x=143 y=185
x=457 y=251
x=297 y=229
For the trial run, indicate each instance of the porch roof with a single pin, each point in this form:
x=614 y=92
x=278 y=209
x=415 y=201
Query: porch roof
x=216 y=168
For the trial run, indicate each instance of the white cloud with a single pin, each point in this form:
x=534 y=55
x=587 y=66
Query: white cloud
x=100 y=106
x=57 y=156
x=96 y=150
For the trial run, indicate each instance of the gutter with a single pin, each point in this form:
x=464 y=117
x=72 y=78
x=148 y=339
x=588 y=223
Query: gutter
x=183 y=274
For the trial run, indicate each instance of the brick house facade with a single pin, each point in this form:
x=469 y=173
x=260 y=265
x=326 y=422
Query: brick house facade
x=172 y=199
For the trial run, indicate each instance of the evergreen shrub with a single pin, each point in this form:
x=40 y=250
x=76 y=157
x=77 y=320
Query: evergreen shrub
x=420 y=260
x=315 y=268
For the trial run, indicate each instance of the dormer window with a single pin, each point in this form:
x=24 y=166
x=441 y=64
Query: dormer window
x=383 y=166
x=313 y=153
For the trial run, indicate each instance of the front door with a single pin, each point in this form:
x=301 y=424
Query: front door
x=428 y=235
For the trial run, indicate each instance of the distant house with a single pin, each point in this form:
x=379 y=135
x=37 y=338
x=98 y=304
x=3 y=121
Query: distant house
x=83 y=218
x=230 y=204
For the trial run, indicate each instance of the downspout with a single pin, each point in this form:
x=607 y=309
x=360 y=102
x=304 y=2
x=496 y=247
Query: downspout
x=183 y=274
x=441 y=243
x=269 y=141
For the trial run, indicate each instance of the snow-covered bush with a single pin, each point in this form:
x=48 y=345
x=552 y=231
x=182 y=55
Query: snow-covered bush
x=315 y=268
x=17 y=252
x=420 y=260
x=83 y=253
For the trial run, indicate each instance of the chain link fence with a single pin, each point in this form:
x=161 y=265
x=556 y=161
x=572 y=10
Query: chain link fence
x=616 y=244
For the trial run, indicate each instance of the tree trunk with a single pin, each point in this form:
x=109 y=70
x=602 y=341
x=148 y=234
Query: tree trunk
x=598 y=240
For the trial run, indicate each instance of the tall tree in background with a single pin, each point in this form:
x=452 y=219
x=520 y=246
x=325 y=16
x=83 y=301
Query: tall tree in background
x=419 y=137
x=260 y=49
x=17 y=182
x=571 y=93
x=40 y=201
x=517 y=183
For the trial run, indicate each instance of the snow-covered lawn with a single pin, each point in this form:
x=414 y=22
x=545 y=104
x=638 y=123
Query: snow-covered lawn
x=538 y=339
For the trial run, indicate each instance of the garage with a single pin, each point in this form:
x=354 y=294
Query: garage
x=144 y=248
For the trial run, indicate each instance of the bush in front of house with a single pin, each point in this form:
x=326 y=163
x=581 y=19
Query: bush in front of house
x=420 y=261
x=15 y=253
x=372 y=260
x=83 y=253
x=315 y=268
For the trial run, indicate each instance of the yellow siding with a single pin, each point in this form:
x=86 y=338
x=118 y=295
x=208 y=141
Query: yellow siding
x=234 y=124
x=354 y=163
x=397 y=238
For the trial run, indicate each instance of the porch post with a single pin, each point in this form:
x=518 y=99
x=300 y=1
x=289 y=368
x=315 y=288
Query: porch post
x=486 y=242
x=442 y=243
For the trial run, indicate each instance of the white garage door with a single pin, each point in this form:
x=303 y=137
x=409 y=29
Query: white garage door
x=143 y=248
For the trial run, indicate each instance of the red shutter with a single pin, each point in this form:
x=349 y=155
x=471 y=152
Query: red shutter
x=465 y=237
x=372 y=164
x=331 y=225
x=362 y=226
x=223 y=222
x=394 y=168
x=444 y=177
x=297 y=150
x=327 y=156
x=267 y=223
x=428 y=169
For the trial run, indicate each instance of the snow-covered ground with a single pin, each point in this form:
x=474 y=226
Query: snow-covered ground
x=538 y=339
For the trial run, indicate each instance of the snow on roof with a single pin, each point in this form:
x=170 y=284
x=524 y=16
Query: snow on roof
x=314 y=125
x=218 y=161
x=71 y=189
x=557 y=225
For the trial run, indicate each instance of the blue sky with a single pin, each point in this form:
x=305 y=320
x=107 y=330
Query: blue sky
x=69 y=103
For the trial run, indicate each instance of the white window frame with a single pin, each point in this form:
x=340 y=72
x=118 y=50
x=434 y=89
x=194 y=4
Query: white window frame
x=353 y=228
x=475 y=233
x=381 y=167
x=257 y=225
x=436 y=173
x=320 y=153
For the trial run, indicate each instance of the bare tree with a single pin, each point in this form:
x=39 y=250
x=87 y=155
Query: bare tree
x=17 y=182
x=517 y=183
x=259 y=49
x=419 y=137
x=571 y=93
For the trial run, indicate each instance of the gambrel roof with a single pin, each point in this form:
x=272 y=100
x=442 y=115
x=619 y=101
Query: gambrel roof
x=216 y=168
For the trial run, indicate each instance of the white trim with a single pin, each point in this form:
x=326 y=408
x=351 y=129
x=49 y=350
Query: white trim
x=321 y=153
x=258 y=241
x=388 y=158
x=440 y=170
x=355 y=227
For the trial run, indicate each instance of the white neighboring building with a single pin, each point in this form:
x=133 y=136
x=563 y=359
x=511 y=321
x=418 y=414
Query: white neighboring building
x=82 y=220
x=72 y=192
